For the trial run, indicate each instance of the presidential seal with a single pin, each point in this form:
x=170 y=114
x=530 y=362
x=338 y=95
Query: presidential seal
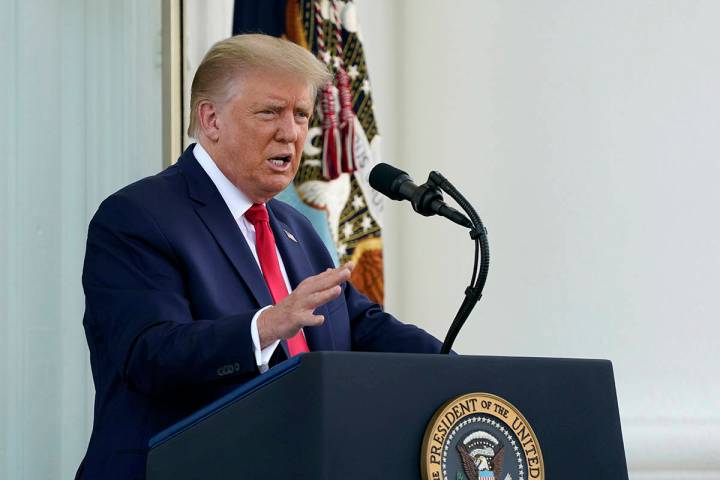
x=480 y=436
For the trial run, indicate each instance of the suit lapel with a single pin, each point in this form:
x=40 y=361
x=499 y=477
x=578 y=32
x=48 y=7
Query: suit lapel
x=298 y=268
x=216 y=216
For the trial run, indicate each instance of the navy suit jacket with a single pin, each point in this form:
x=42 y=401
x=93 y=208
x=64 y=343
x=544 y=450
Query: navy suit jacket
x=171 y=287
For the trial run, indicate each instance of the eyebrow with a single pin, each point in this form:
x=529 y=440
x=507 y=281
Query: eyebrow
x=273 y=104
x=279 y=105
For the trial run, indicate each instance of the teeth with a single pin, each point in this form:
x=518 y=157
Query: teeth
x=280 y=161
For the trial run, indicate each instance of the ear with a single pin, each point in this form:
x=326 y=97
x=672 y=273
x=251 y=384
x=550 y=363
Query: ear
x=209 y=121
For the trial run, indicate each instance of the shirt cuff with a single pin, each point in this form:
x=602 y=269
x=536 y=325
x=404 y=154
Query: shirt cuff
x=262 y=356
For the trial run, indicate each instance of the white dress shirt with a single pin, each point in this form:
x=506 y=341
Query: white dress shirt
x=238 y=203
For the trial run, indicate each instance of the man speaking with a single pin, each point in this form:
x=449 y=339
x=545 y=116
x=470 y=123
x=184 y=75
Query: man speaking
x=197 y=280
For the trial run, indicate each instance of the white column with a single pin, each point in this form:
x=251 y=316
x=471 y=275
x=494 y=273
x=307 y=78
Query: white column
x=204 y=24
x=81 y=117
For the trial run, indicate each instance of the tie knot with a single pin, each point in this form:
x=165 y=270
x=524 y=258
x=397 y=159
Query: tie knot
x=257 y=214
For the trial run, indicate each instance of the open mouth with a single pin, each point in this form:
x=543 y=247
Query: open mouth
x=281 y=161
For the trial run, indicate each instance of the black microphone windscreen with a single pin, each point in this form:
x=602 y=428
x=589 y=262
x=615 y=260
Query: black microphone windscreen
x=383 y=178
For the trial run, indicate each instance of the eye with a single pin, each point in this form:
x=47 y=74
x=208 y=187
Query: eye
x=267 y=113
x=302 y=114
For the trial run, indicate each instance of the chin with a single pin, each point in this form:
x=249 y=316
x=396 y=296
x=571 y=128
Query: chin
x=276 y=188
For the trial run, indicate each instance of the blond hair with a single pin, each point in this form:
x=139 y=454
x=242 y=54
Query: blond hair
x=226 y=61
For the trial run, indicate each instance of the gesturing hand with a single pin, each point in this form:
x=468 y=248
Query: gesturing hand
x=295 y=311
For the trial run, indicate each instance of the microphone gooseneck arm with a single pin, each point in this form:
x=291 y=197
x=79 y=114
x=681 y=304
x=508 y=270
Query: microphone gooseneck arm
x=427 y=200
x=478 y=233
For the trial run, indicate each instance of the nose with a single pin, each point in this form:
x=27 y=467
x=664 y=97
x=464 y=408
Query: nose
x=287 y=128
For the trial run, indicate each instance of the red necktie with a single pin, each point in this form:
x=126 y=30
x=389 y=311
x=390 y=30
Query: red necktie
x=270 y=266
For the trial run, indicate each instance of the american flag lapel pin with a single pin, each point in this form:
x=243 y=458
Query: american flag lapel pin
x=290 y=236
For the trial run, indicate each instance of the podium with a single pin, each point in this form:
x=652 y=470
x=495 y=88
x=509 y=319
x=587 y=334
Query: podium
x=346 y=415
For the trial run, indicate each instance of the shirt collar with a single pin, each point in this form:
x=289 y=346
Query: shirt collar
x=236 y=200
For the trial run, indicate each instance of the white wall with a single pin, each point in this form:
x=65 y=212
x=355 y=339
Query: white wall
x=81 y=116
x=586 y=134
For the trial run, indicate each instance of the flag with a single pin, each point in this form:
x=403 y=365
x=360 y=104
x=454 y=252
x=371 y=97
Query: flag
x=331 y=187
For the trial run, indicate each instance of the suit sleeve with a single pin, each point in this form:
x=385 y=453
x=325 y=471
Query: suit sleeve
x=374 y=330
x=138 y=318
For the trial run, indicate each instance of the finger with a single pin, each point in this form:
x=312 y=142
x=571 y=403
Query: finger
x=321 y=297
x=313 y=320
x=325 y=280
x=317 y=299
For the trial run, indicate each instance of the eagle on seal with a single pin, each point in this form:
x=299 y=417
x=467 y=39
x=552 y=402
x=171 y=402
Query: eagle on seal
x=481 y=464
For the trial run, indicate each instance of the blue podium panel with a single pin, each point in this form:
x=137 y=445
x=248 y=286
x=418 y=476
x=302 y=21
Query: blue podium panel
x=330 y=415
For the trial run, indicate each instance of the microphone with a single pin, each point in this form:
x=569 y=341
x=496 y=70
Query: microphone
x=426 y=200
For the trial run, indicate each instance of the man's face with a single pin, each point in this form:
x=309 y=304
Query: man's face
x=261 y=132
